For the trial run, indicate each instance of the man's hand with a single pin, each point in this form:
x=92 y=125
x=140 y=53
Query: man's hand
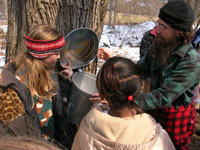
x=104 y=54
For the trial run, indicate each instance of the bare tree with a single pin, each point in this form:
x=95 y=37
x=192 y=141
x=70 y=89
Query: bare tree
x=110 y=10
x=64 y=15
x=197 y=12
x=115 y=12
x=189 y=1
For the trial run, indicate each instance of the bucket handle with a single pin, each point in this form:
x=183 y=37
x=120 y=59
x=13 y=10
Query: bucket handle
x=80 y=69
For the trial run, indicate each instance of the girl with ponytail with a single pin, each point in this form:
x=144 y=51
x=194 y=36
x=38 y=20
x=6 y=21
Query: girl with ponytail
x=121 y=124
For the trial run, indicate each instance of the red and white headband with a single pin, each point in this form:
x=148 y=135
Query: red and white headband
x=43 y=48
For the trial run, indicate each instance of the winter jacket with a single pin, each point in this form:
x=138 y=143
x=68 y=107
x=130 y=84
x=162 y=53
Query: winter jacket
x=28 y=120
x=172 y=84
x=195 y=44
x=196 y=40
x=20 y=124
x=66 y=131
x=98 y=130
x=146 y=42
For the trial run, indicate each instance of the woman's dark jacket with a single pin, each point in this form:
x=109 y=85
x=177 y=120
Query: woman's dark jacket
x=146 y=42
x=29 y=122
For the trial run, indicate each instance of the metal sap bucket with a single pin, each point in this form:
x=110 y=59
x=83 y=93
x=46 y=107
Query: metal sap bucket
x=81 y=48
x=83 y=85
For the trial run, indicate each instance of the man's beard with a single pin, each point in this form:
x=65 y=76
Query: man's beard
x=162 y=49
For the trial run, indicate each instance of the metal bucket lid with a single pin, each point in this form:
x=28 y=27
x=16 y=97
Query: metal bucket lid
x=81 y=48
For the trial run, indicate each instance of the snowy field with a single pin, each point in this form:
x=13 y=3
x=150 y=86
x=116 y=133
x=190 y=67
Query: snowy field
x=2 y=51
x=124 y=40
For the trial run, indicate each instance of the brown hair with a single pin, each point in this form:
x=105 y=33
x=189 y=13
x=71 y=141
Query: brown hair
x=185 y=37
x=25 y=143
x=161 y=50
x=117 y=80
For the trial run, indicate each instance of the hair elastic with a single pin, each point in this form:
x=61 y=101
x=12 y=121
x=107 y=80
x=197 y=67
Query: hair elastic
x=130 y=98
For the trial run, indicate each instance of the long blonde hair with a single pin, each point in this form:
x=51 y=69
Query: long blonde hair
x=36 y=73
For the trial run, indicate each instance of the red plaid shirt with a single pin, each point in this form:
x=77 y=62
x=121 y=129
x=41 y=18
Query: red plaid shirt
x=178 y=122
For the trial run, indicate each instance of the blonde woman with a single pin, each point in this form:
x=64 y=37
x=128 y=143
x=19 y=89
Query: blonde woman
x=37 y=104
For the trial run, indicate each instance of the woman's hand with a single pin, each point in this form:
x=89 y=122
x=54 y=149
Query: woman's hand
x=95 y=98
x=67 y=70
x=104 y=54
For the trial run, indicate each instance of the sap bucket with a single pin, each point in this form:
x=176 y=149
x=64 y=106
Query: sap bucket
x=83 y=85
x=81 y=48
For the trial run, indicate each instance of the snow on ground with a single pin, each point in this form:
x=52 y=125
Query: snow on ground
x=122 y=40
x=4 y=27
x=2 y=59
x=124 y=35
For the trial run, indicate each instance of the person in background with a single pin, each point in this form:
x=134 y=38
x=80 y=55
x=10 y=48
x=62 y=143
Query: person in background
x=196 y=40
x=147 y=41
x=174 y=68
x=122 y=124
x=196 y=45
x=37 y=105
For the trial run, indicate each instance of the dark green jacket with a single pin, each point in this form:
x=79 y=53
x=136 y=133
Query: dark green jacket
x=172 y=84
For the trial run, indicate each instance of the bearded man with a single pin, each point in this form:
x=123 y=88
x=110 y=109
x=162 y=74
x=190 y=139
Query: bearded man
x=174 y=68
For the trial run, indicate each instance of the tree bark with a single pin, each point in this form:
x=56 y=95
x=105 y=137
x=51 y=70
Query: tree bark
x=64 y=15
x=110 y=12
x=115 y=13
x=197 y=13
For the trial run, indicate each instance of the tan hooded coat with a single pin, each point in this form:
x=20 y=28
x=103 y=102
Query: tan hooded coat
x=100 y=131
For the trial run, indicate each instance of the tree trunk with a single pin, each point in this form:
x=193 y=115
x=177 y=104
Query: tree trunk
x=115 y=13
x=188 y=1
x=197 y=13
x=110 y=11
x=64 y=15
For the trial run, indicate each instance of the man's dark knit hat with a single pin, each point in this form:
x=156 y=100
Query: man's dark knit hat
x=178 y=14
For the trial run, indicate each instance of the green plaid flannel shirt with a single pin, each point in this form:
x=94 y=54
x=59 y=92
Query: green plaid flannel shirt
x=172 y=84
